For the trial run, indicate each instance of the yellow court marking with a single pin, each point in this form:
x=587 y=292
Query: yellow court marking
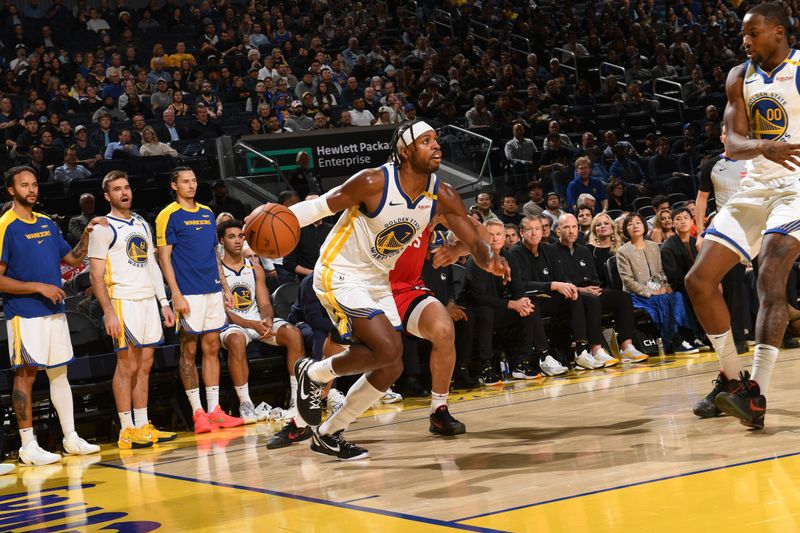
x=760 y=496
x=72 y=496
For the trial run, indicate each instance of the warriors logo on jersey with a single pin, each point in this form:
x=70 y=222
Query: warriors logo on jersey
x=136 y=249
x=242 y=297
x=768 y=117
x=395 y=237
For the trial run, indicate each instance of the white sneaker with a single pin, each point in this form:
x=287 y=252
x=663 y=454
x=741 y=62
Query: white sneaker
x=632 y=355
x=6 y=468
x=586 y=361
x=391 y=397
x=74 y=445
x=684 y=348
x=551 y=367
x=602 y=357
x=33 y=455
x=335 y=401
x=248 y=413
x=262 y=411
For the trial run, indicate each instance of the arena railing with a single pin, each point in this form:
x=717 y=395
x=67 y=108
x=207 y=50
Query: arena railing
x=443 y=19
x=617 y=70
x=571 y=62
x=466 y=159
x=518 y=43
x=661 y=82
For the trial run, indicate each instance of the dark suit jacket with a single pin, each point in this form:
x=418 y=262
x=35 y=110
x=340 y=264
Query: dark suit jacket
x=677 y=260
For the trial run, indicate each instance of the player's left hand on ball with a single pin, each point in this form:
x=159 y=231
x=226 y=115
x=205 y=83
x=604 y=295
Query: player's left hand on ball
x=253 y=213
x=168 y=316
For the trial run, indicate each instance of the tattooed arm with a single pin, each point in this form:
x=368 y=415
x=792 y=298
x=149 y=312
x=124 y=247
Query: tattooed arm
x=76 y=256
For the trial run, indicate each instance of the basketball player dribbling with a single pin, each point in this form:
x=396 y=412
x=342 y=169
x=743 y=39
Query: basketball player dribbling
x=762 y=120
x=385 y=209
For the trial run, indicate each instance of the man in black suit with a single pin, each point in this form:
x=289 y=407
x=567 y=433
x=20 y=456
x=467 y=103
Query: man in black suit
x=169 y=131
x=205 y=128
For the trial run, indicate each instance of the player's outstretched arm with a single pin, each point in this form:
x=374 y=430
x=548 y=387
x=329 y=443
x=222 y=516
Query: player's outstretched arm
x=365 y=187
x=450 y=205
x=737 y=143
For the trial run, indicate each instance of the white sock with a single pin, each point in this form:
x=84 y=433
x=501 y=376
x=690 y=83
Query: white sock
x=140 y=417
x=212 y=398
x=194 y=399
x=359 y=398
x=298 y=421
x=243 y=392
x=27 y=436
x=437 y=400
x=125 y=419
x=763 y=363
x=61 y=396
x=293 y=390
x=729 y=361
x=322 y=371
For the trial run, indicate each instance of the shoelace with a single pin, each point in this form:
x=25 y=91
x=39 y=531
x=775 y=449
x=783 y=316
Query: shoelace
x=315 y=395
x=343 y=444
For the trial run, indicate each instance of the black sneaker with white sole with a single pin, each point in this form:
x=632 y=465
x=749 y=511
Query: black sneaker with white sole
x=335 y=445
x=309 y=393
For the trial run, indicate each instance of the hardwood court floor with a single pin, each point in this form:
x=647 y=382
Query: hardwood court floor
x=611 y=450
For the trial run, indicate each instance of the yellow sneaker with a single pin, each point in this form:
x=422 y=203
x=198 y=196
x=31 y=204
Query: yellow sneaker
x=156 y=435
x=132 y=438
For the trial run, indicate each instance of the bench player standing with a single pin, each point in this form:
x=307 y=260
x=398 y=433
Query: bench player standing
x=31 y=248
x=129 y=287
x=762 y=122
x=385 y=209
x=187 y=248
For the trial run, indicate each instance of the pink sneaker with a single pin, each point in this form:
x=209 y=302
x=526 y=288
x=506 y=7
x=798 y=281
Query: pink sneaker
x=202 y=423
x=220 y=419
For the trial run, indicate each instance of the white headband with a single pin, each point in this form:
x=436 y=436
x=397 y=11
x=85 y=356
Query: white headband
x=411 y=134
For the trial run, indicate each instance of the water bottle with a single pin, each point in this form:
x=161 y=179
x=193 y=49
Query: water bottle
x=660 y=343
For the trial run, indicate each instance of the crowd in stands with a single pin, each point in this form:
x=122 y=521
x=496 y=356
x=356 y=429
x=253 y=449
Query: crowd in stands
x=598 y=154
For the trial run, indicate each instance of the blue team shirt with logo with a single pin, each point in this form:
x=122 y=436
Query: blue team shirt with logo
x=193 y=236
x=32 y=252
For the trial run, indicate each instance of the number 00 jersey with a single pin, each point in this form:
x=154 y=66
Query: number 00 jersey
x=127 y=248
x=366 y=244
x=773 y=109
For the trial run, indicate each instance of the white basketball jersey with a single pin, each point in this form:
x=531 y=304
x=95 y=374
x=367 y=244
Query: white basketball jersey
x=130 y=249
x=243 y=288
x=773 y=109
x=369 y=244
x=726 y=177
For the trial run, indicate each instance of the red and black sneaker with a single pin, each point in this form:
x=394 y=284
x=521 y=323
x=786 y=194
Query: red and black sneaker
x=747 y=404
x=706 y=408
x=443 y=423
x=288 y=435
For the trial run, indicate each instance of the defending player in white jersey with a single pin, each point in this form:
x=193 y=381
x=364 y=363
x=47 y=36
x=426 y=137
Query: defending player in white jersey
x=762 y=122
x=130 y=290
x=251 y=318
x=385 y=209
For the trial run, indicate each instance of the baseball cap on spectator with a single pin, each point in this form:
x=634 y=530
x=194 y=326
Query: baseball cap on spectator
x=551 y=193
x=297 y=103
x=121 y=13
x=454 y=82
x=306 y=93
x=79 y=129
x=408 y=107
x=325 y=67
x=384 y=109
x=389 y=69
x=20 y=45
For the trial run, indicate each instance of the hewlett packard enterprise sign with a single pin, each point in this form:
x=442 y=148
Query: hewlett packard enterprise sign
x=334 y=153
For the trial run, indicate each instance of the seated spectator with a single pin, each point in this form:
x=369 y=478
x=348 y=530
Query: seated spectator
x=298 y=120
x=88 y=153
x=520 y=152
x=210 y=100
x=483 y=204
x=584 y=215
x=302 y=259
x=636 y=102
x=304 y=179
x=639 y=263
x=123 y=148
x=679 y=250
x=555 y=165
x=322 y=122
x=478 y=116
x=584 y=183
x=158 y=73
x=626 y=170
x=28 y=138
x=689 y=163
x=555 y=127
x=78 y=223
x=345 y=120
x=53 y=154
x=488 y=310
x=169 y=130
x=109 y=108
x=162 y=97
x=662 y=227
x=178 y=105
x=512 y=236
x=553 y=211
x=151 y=145
x=509 y=210
x=662 y=169
x=617 y=198
x=536 y=203
x=604 y=241
x=36 y=162
x=548 y=235
x=384 y=116
x=577 y=262
x=205 y=128
x=610 y=138
x=222 y=202
x=70 y=170
x=502 y=114
x=360 y=116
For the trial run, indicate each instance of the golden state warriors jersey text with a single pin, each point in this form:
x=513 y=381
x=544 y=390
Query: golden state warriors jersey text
x=369 y=243
x=243 y=288
x=773 y=108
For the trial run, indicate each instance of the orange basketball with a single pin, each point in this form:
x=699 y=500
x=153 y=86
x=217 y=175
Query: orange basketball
x=273 y=232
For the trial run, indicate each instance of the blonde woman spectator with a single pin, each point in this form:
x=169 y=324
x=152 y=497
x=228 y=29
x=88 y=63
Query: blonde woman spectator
x=662 y=227
x=151 y=146
x=604 y=241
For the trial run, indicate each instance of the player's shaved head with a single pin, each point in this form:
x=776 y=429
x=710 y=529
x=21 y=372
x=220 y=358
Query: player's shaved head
x=774 y=13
